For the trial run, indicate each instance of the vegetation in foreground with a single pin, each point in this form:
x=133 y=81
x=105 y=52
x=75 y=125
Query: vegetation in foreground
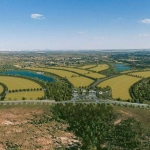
x=98 y=127
x=36 y=127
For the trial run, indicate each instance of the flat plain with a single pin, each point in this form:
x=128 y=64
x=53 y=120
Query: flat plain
x=28 y=95
x=82 y=72
x=80 y=81
x=144 y=74
x=87 y=66
x=100 y=67
x=120 y=86
x=14 y=83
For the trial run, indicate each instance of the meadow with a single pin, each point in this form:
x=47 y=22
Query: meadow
x=1 y=89
x=14 y=83
x=28 y=95
x=144 y=74
x=100 y=67
x=120 y=86
x=80 y=81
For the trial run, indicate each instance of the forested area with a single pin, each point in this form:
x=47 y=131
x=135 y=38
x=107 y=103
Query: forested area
x=59 y=90
x=98 y=127
x=141 y=90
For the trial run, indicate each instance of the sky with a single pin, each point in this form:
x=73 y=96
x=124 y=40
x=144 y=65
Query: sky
x=74 y=24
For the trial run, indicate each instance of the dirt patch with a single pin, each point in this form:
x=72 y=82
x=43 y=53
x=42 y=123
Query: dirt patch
x=129 y=114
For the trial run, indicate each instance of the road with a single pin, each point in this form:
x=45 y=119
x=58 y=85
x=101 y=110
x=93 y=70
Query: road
x=50 y=102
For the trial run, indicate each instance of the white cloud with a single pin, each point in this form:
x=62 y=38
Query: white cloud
x=145 y=21
x=143 y=35
x=37 y=16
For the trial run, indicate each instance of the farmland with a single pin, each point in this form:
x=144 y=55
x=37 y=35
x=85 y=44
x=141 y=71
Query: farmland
x=80 y=81
x=144 y=74
x=28 y=95
x=120 y=86
x=1 y=89
x=100 y=67
x=18 y=83
x=87 y=66
x=74 y=78
x=83 y=72
x=60 y=73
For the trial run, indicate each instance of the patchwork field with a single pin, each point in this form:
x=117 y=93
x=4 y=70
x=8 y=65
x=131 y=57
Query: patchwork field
x=83 y=72
x=74 y=78
x=80 y=81
x=143 y=74
x=87 y=66
x=27 y=95
x=18 y=83
x=100 y=67
x=60 y=73
x=120 y=86
x=1 y=89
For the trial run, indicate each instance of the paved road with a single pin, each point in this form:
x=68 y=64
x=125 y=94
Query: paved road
x=101 y=80
x=70 y=101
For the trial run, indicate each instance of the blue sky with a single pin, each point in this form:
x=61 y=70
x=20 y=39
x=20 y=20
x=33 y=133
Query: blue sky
x=74 y=24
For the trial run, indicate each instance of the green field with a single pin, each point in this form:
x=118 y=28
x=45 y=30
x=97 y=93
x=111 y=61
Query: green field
x=144 y=74
x=1 y=89
x=83 y=72
x=120 y=86
x=80 y=81
x=27 y=95
x=87 y=66
x=100 y=67
x=14 y=83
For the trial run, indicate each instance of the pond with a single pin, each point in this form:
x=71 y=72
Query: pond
x=25 y=73
x=121 y=67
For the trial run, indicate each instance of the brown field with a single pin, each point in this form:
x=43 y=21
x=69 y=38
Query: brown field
x=28 y=95
x=18 y=132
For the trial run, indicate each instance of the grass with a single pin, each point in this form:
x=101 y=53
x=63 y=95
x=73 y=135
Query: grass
x=143 y=73
x=18 y=83
x=80 y=81
x=1 y=89
x=87 y=66
x=100 y=67
x=120 y=86
x=27 y=95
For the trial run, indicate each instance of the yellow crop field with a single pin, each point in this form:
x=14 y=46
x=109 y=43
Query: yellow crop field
x=100 y=67
x=27 y=95
x=1 y=89
x=87 y=66
x=60 y=73
x=143 y=74
x=120 y=86
x=83 y=72
x=18 y=83
x=80 y=81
